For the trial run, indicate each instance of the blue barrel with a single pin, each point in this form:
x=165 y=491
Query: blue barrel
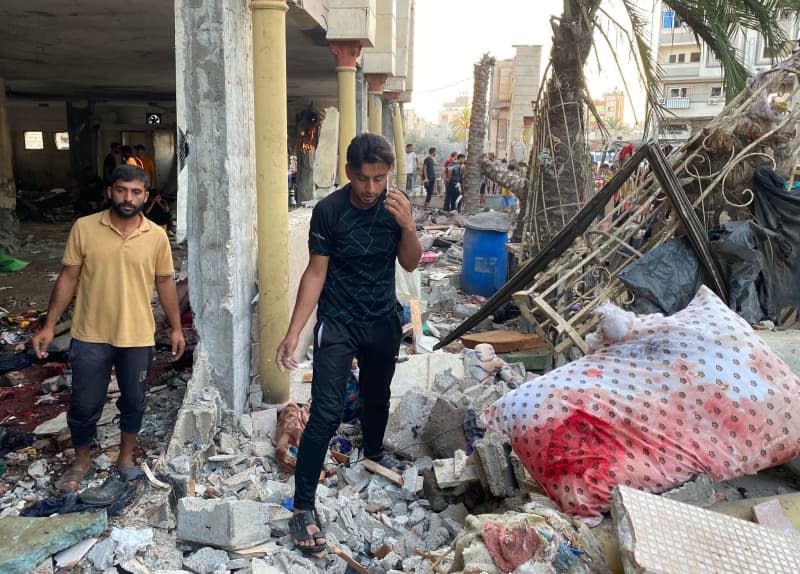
x=485 y=261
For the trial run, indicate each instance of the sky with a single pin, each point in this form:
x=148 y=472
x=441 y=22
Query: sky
x=451 y=35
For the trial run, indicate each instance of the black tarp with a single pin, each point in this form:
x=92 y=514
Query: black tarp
x=759 y=260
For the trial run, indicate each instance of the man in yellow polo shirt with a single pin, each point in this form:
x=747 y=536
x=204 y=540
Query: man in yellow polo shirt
x=112 y=259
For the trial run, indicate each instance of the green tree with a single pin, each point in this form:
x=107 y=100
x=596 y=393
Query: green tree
x=459 y=125
x=583 y=22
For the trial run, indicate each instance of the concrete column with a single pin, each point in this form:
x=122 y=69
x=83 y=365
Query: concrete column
x=346 y=53
x=214 y=102
x=375 y=84
x=269 y=83
x=399 y=144
x=8 y=190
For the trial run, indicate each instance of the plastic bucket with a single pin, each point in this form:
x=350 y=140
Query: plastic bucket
x=485 y=261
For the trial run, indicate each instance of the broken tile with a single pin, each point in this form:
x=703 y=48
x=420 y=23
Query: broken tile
x=662 y=536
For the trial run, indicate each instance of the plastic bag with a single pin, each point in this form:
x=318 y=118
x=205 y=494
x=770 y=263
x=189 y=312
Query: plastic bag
x=694 y=393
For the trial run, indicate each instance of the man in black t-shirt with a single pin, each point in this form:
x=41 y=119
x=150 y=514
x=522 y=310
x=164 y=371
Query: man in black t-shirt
x=429 y=174
x=356 y=234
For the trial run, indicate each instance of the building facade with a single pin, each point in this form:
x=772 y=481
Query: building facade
x=691 y=88
x=514 y=88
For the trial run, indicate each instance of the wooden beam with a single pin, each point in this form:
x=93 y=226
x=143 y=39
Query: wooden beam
x=381 y=470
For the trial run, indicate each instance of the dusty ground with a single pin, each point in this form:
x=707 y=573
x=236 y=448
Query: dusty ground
x=42 y=245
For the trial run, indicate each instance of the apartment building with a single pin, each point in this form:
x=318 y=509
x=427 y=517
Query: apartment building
x=691 y=86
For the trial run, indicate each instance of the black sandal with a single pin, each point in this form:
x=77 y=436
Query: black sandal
x=298 y=528
x=393 y=463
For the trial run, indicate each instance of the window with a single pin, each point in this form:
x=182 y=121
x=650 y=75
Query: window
x=679 y=92
x=694 y=57
x=670 y=20
x=673 y=58
x=62 y=140
x=681 y=58
x=716 y=91
x=34 y=140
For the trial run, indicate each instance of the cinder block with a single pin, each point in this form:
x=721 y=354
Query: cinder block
x=228 y=524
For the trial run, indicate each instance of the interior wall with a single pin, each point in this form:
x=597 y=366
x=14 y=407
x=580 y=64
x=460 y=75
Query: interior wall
x=115 y=122
x=47 y=168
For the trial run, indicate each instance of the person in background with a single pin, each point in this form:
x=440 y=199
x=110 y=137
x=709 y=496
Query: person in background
x=111 y=161
x=429 y=174
x=147 y=164
x=157 y=210
x=412 y=163
x=129 y=159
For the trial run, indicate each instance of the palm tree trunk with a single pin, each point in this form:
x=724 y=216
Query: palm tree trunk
x=477 y=134
x=563 y=161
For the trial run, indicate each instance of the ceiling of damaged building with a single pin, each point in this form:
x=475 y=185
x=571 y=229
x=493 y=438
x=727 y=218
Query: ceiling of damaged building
x=93 y=48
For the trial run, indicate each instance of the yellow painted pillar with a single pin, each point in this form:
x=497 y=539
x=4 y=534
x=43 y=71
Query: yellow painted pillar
x=269 y=90
x=375 y=85
x=345 y=54
x=399 y=145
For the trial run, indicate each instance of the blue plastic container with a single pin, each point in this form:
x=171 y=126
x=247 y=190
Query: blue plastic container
x=485 y=261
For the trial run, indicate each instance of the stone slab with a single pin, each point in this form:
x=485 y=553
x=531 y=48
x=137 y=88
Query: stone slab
x=26 y=542
x=662 y=536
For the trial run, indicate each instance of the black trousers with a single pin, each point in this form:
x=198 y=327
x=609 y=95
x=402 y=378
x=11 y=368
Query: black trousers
x=91 y=374
x=375 y=345
x=451 y=197
x=428 y=191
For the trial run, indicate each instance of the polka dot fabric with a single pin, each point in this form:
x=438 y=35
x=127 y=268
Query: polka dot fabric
x=695 y=393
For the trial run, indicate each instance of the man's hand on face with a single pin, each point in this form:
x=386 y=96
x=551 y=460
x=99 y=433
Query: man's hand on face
x=399 y=206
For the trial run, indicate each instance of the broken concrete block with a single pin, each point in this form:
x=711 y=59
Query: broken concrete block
x=207 y=561
x=28 y=541
x=273 y=491
x=493 y=453
x=406 y=423
x=229 y=524
x=258 y=566
x=441 y=432
x=522 y=476
x=658 y=535
x=102 y=554
x=699 y=491
x=265 y=424
x=129 y=541
x=162 y=515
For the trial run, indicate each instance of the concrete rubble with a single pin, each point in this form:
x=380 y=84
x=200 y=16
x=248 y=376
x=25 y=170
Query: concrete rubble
x=217 y=500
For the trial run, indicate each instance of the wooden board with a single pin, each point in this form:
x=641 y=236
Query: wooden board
x=504 y=341
x=416 y=321
x=380 y=470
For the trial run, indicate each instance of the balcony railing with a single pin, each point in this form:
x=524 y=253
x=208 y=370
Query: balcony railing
x=677 y=103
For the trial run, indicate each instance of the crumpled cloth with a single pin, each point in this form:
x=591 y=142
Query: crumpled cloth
x=291 y=424
x=483 y=365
